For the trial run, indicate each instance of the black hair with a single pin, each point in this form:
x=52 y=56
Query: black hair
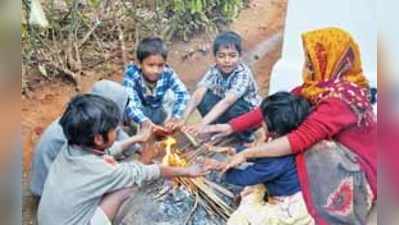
x=284 y=112
x=227 y=39
x=86 y=116
x=373 y=95
x=151 y=46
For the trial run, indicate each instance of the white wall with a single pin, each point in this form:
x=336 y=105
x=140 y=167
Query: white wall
x=358 y=17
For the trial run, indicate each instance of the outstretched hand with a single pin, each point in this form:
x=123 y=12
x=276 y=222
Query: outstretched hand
x=194 y=129
x=217 y=130
x=155 y=129
x=145 y=133
x=234 y=161
x=222 y=150
x=196 y=170
x=213 y=164
x=173 y=124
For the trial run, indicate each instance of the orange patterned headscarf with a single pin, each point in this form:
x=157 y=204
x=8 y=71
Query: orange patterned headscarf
x=333 y=55
x=333 y=69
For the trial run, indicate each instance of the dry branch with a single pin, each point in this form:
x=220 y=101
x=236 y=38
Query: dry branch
x=122 y=44
x=88 y=34
x=219 y=188
x=192 y=210
x=207 y=191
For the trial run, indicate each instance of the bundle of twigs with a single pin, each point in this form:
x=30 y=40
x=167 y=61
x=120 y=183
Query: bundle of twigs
x=207 y=197
x=202 y=148
x=203 y=189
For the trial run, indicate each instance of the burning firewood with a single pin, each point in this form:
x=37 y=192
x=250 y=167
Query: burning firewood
x=199 y=187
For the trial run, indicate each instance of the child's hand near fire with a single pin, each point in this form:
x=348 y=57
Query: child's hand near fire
x=213 y=164
x=150 y=152
x=156 y=129
x=224 y=150
x=194 y=170
x=197 y=170
x=173 y=123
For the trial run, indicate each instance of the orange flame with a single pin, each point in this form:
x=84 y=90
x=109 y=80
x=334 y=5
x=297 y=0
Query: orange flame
x=172 y=158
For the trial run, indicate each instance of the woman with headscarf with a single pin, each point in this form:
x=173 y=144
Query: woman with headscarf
x=335 y=147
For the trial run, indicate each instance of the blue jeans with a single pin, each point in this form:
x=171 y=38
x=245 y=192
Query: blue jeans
x=156 y=115
x=237 y=109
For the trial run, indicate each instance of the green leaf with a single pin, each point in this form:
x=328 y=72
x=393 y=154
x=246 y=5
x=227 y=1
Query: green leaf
x=94 y=3
x=42 y=70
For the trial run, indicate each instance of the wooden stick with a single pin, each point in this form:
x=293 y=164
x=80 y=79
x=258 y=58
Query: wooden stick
x=121 y=37
x=191 y=139
x=71 y=74
x=213 y=202
x=192 y=210
x=162 y=192
x=88 y=34
x=219 y=188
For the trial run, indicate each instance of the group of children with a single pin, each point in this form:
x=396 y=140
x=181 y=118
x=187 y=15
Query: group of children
x=76 y=171
x=227 y=90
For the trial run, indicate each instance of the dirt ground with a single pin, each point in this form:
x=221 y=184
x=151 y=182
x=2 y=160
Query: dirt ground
x=260 y=26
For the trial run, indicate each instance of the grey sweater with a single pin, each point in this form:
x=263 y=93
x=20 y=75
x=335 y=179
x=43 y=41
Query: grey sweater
x=77 y=181
x=53 y=138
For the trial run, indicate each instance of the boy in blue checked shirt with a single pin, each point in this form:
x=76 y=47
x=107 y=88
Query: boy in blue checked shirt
x=227 y=90
x=147 y=84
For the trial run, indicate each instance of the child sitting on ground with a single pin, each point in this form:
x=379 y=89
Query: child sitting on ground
x=283 y=112
x=148 y=83
x=227 y=90
x=52 y=139
x=84 y=185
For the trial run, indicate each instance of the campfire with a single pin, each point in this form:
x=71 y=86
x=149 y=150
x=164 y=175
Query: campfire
x=201 y=189
x=172 y=157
